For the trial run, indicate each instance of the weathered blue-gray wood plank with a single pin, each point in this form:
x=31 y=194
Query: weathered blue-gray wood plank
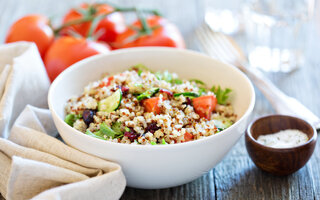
x=235 y=177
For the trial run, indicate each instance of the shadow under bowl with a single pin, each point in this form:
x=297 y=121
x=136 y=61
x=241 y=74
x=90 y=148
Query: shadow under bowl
x=279 y=161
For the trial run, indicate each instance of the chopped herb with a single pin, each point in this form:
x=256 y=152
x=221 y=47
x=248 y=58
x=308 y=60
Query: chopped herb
x=158 y=75
x=167 y=76
x=114 y=132
x=126 y=129
x=147 y=94
x=201 y=85
x=197 y=81
x=202 y=90
x=137 y=89
x=96 y=134
x=177 y=81
x=186 y=94
x=116 y=127
x=106 y=130
x=139 y=68
x=153 y=143
x=222 y=95
x=138 y=85
x=71 y=118
x=163 y=141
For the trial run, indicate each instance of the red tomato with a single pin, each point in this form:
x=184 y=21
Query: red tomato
x=164 y=34
x=188 y=137
x=204 y=105
x=151 y=105
x=109 y=27
x=32 y=28
x=67 y=50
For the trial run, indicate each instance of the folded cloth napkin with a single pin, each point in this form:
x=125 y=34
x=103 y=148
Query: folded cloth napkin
x=33 y=164
x=23 y=80
x=38 y=166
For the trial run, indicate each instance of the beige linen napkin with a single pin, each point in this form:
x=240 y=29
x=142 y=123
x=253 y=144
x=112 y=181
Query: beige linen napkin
x=34 y=164
x=23 y=80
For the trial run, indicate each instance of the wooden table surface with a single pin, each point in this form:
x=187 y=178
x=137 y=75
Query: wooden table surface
x=236 y=177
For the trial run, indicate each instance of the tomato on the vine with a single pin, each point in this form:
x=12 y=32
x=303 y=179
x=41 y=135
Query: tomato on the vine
x=108 y=28
x=67 y=50
x=163 y=33
x=32 y=28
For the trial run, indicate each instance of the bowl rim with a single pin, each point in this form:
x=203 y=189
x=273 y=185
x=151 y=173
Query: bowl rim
x=249 y=133
x=156 y=49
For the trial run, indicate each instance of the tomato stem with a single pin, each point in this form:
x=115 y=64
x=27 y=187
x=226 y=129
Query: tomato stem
x=91 y=17
x=74 y=22
x=133 y=9
x=145 y=27
x=74 y=34
x=94 y=24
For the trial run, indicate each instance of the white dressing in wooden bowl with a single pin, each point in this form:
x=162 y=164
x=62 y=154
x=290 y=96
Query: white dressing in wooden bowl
x=284 y=139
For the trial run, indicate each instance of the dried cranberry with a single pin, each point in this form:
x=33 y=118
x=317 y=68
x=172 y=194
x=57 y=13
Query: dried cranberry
x=152 y=127
x=124 y=90
x=131 y=135
x=188 y=102
x=168 y=92
x=88 y=116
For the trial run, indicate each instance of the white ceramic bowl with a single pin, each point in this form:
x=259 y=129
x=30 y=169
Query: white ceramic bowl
x=158 y=166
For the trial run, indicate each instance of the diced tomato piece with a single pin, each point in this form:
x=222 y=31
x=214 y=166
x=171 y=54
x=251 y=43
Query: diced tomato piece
x=188 y=137
x=103 y=84
x=204 y=105
x=109 y=80
x=151 y=105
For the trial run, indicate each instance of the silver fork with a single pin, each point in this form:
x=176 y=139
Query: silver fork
x=225 y=49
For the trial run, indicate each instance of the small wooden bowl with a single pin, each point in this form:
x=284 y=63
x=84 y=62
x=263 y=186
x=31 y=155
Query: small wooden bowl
x=278 y=161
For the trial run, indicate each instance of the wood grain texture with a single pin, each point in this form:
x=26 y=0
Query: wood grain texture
x=236 y=177
x=274 y=160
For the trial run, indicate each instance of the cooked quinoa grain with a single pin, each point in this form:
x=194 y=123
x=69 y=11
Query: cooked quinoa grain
x=138 y=106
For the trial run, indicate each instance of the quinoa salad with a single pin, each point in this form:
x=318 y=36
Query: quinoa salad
x=142 y=107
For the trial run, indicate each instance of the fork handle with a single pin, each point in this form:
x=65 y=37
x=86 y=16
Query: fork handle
x=281 y=102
